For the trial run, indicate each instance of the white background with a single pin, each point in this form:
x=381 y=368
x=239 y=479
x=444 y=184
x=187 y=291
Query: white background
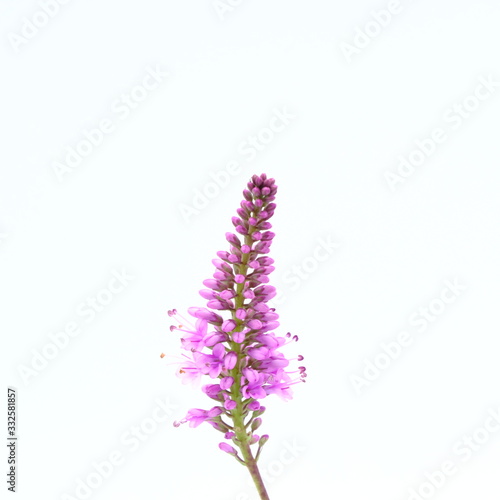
x=120 y=208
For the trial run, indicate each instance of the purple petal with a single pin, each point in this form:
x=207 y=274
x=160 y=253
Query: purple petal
x=207 y=294
x=254 y=324
x=241 y=313
x=226 y=383
x=218 y=351
x=238 y=337
x=229 y=404
x=254 y=405
x=213 y=339
x=213 y=284
x=251 y=375
x=258 y=353
x=214 y=412
x=230 y=360
x=228 y=326
x=216 y=304
x=227 y=294
x=233 y=239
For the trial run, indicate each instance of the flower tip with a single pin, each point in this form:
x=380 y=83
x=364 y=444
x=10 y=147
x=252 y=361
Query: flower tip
x=256 y=424
x=227 y=448
x=263 y=439
x=254 y=439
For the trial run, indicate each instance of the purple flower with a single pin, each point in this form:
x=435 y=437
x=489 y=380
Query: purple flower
x=233 y=340
x=190 y=369
x=196 y=416
x=213 y=364
x=194 y=338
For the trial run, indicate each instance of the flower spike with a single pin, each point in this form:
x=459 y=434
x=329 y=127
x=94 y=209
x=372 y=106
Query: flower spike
x=232 y=340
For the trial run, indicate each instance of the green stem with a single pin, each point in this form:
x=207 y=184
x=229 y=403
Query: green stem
x=239 y=413
x=243 y=437
x=254 y=471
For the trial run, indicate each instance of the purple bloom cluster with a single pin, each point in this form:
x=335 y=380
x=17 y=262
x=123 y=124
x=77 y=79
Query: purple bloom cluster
x=233 y=339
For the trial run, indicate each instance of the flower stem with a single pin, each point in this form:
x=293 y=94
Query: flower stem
x=246 y=452
x=254 y=470
x=237 y=413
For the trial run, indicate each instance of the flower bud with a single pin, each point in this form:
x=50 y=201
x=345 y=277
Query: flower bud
x=227 y=448
x=256 y=424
